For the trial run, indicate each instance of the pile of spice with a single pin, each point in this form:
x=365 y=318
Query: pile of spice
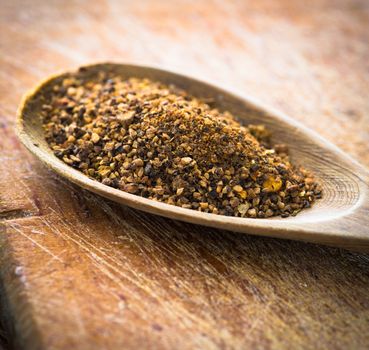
x=158 y=142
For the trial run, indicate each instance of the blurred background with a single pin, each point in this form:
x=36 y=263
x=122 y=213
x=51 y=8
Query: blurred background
x=305 y=58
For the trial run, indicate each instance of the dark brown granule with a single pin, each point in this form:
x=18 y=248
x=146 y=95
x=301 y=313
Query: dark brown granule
x=157 y=142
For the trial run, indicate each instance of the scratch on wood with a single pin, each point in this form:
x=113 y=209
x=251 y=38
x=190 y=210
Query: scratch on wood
x=14 y=214
x=102 y=263
x=13 y=226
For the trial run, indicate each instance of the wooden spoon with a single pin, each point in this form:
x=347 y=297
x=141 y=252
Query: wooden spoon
x=340 y=218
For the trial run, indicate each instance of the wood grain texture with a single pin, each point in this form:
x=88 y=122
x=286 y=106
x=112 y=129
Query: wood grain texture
x=78 y=271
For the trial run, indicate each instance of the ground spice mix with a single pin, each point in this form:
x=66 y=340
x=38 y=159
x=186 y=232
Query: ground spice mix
x=158 y=142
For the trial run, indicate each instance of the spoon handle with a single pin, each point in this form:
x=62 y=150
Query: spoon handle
x=352 y=230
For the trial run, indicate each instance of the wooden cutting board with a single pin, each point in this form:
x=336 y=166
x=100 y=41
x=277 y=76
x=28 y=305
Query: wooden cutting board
x=80 y=272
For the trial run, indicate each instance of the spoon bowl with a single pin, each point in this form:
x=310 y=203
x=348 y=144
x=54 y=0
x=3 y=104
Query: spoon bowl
x=340 y=218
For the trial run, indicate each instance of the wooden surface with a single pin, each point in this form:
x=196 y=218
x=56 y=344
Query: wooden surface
x=79 y=272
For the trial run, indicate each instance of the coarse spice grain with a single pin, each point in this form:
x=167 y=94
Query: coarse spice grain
x=158 y=142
